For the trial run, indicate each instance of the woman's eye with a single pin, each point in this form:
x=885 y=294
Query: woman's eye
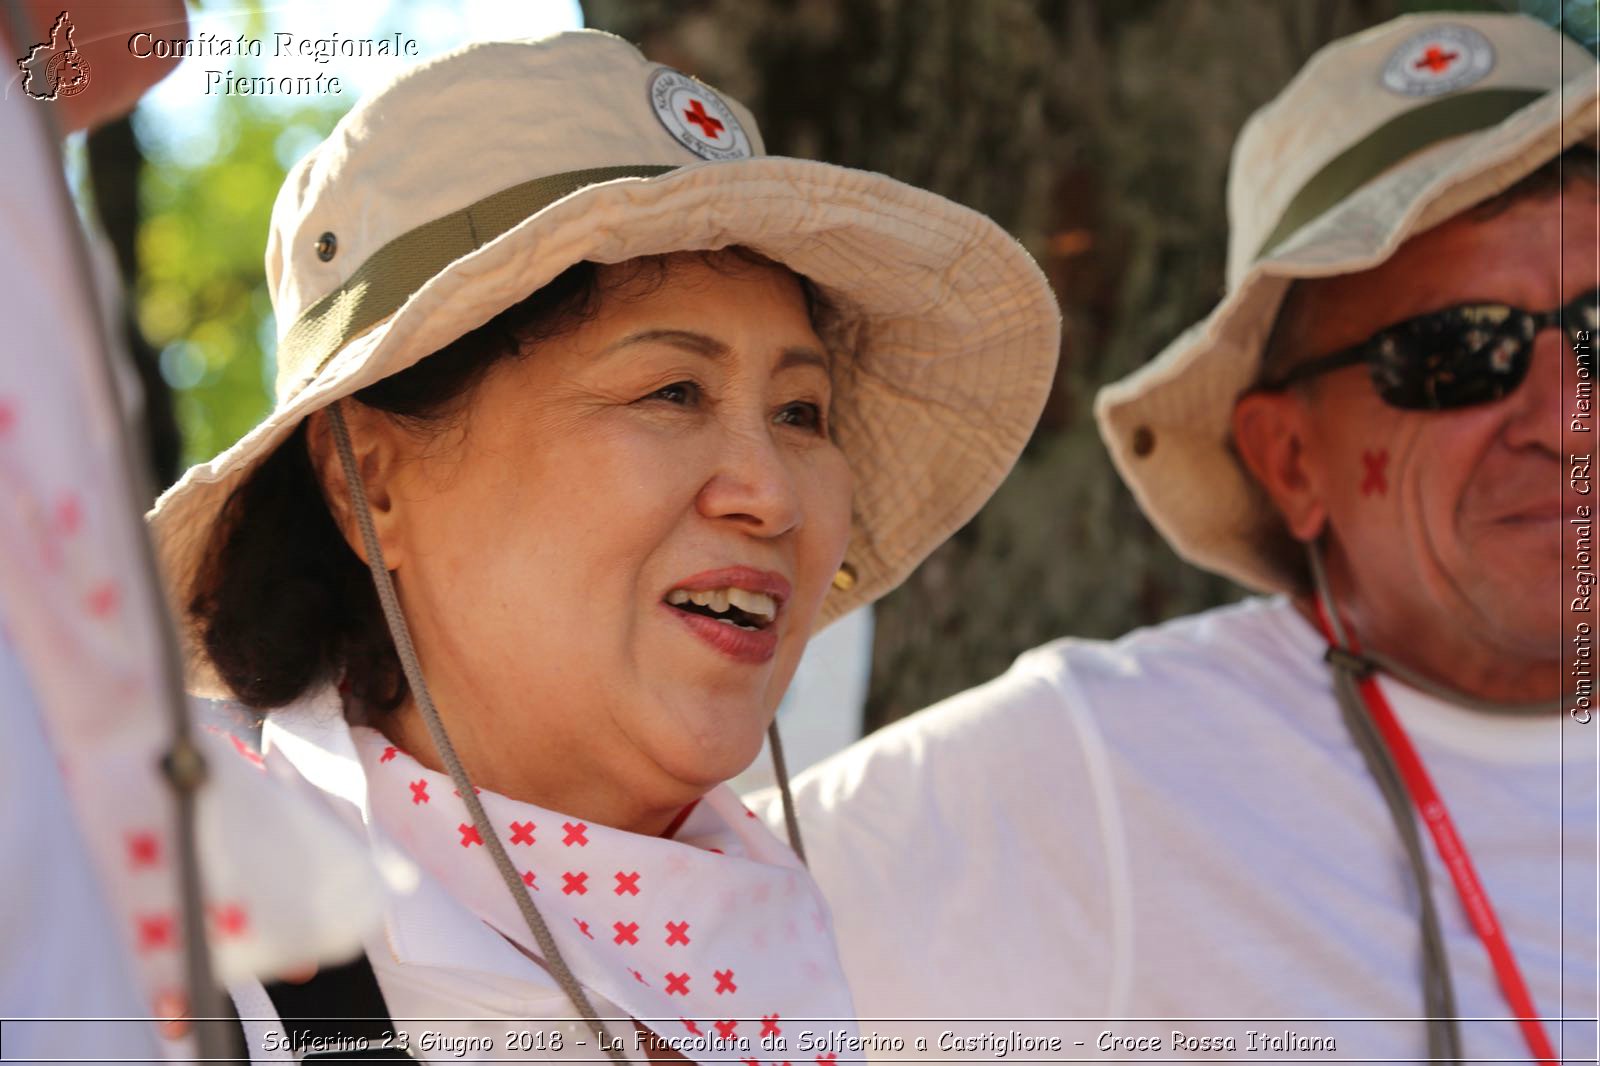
x=682 y=393
x=804 y=415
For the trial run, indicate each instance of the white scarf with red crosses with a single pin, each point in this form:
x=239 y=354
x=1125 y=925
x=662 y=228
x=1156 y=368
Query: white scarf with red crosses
x=717 y=933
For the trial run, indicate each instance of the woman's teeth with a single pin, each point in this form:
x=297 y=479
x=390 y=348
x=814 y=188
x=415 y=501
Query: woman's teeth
x=759 y=608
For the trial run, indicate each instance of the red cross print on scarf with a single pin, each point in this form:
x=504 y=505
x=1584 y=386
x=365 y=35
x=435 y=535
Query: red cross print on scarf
x=144 y=849
x=155 y=931
x=709 y=125
x=685 y=947
x=688 y=1023
x=419 y=792
x=389 y=753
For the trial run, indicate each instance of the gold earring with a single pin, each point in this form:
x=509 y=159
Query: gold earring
x=845 y=579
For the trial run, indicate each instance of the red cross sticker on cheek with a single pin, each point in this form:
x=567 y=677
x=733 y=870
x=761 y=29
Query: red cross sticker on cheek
x=1375 y=465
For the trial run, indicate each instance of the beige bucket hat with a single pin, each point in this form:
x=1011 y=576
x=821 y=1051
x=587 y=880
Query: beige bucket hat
x=475 y=178
x=1381 y=136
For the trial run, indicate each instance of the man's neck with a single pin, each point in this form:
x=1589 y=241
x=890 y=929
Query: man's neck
x=1481 y=674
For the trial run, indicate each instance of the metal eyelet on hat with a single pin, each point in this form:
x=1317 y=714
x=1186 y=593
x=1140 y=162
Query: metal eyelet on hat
x=1144 y=441
x=327 y=245
x=845 y=579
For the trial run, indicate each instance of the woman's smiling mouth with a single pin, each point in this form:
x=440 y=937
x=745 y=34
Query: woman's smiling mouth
x=735 y=610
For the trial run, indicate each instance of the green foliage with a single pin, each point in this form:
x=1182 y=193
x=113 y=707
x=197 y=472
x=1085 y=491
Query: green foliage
x=207 y=194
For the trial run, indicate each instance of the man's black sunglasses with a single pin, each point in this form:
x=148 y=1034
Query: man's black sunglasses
x=1457 y=357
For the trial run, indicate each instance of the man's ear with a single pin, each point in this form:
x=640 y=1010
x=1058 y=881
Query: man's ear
x=374 y=440
x=1270 y=433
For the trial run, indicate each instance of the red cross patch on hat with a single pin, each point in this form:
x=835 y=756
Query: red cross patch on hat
x=1440 y=59
x=697 y=117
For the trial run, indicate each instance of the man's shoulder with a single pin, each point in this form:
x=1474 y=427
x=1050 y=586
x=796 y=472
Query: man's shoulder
x=1253 y=643
x=1257 y=653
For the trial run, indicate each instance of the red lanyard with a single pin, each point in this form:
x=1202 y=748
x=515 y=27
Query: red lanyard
x=1428 y=803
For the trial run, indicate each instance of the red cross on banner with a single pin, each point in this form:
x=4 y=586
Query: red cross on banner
x=144 y=849
x=230 y=919
x=155 y=931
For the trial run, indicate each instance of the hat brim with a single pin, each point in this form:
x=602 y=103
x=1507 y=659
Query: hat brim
x=956 y=336
x=1168 y=425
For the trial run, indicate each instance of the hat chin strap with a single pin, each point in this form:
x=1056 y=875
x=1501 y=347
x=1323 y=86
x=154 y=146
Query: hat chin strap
x=1349 y=667
x=441 y=742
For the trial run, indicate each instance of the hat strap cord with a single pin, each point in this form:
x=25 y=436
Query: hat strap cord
x=401 y=634
x=1438 y=994
x=780 y=770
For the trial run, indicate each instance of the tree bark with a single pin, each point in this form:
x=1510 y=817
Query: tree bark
x=1099 y=135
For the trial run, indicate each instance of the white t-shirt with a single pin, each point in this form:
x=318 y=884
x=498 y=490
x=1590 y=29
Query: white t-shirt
x=1176 y=827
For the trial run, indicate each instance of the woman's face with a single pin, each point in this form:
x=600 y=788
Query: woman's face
x=612 y=565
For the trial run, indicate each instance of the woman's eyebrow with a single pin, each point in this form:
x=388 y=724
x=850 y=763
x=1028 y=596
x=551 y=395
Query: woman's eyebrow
x=711 y=348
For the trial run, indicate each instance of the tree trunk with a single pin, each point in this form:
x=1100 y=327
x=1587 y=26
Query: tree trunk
x=1099 y=135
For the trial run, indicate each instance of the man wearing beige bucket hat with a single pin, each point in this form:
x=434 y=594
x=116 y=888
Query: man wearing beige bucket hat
x=588 y=415
x=1350 y=819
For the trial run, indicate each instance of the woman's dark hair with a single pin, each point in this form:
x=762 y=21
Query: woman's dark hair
x=281 y=601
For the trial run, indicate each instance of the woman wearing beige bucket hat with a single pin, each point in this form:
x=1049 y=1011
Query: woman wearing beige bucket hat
x=607 y=412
